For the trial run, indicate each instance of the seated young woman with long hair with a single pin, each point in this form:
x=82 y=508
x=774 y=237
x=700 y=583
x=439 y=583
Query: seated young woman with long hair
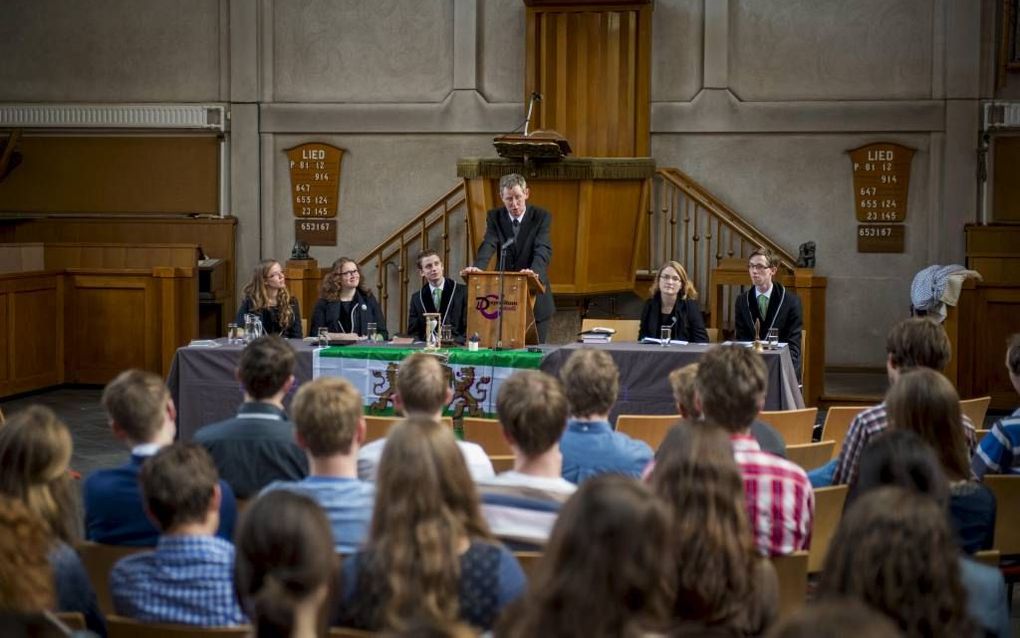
x=607 y=570
x=285 y=566
x=721 y=580
x=345 y=304
x=266 y=295
x=430 y=557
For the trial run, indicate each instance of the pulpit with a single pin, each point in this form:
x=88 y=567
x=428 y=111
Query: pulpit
x=502 y=313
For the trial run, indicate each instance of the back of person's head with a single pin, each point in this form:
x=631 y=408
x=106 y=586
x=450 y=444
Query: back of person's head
x=698 y=478
x=266 y=365
x=26 y=578
x=607 y=570
x=682 y=382
x=178 y=484
x=285 y=559
x=731 y=383
x=902 y=458
x=326 y=415
x=422 y=384
x=918 y=342
x=1013 y=358
x=136 y=402
x=35 y=451
x=426 y=506
x=591 y=381
x=895 y=552
x=532 y=410
x=835 y=618
x=924 y=401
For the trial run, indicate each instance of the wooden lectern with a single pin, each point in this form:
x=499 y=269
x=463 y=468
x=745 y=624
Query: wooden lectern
x=517 y=308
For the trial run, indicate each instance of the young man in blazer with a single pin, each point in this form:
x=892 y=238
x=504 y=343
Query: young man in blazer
x=782 y=308
x=531 y=250
x=451 y=296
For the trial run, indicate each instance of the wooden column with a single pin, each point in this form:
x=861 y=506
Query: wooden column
x=303 y=279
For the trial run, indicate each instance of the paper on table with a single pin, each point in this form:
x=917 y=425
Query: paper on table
x=660 y=341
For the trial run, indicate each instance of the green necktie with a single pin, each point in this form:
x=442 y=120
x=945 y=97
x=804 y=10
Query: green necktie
x=437 y=296
x=763 y=306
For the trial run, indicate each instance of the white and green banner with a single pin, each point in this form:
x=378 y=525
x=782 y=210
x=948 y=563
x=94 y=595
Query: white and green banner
x=476 y=375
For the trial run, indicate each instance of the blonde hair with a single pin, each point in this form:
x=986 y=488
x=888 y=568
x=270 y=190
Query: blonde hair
x=687 y=290
x=26 y=578
x=326 y=413
x=136 y=401
x=256 y=290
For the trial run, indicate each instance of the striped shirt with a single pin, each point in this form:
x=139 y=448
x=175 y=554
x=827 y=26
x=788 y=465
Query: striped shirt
x=999 y=452
x=780 y=502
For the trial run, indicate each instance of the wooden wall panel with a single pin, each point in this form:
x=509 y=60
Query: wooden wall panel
x=978 y=327
x=31 y=355
x=1005 y=185
x=59 y=256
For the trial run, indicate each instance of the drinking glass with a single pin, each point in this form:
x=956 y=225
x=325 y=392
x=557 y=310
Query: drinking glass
x=372 y=328
x=665 y=333
x=323 y=337
x=773 y=337
x=232 y=333
x=447 y=334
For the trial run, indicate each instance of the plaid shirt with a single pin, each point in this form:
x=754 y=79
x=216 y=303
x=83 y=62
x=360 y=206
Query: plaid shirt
x=999 y=452
x=780 y=502
x=866 y=426
x=186 y=580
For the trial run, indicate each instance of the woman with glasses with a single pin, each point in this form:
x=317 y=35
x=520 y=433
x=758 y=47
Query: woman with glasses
x=346 y=305
x=673 y=305
x=266 y=295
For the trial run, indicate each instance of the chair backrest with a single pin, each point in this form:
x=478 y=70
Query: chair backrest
x=796 y=426
x=829 y=502
x=502 y=462
x=648 y=428
x=626 y=329
x=74 y=620
x=529 y=561
x=988 y=557
x=810 y=455
x=1007 y=514
x=98 y=560
x=791 y=571
x=347 y=632
x=121 y=627
x=980 y=433
x=377 y=427
x=975 y=409
x=714 y=335
x=837 y=424
x=487 y=433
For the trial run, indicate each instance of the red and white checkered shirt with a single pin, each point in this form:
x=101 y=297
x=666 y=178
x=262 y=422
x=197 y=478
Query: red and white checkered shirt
x=866 y=426
x=780 y=501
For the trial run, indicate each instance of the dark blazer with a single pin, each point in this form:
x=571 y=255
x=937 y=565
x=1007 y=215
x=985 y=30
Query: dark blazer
x=327 y=313
x=271 y=319
x=688 y=324
x=532 y=249
x=452 y=307
x=783 y=314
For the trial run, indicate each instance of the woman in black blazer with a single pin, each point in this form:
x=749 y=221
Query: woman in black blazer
x=344 y=304
x=673 y=304
x=266 y=295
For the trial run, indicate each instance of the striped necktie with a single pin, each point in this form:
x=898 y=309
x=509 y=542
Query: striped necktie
x=437 y=296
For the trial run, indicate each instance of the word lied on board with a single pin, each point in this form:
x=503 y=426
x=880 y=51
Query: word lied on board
x=315 y=188
x=881 y=179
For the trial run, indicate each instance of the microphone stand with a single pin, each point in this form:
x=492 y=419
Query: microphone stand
x=499 y=328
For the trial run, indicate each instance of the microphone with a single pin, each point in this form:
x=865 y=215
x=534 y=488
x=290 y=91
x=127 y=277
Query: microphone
x=364 y=306
x=508 y=243
x=535 y=95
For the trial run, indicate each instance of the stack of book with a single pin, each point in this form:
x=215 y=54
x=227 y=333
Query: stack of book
x=597 y=335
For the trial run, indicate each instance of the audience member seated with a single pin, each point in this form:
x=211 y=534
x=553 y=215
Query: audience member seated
x=731 y=386
x=589 y=445
x=266 y=296
x=721 y=579
x=440 y=295
x=901 y=458
x=607 y=571
x=997 y=452
x=257 y=446
x=835 y=618
x=331 y=428
x=188 y=578
x=423 y=389
x=285 y=566
x=345 y=305
x=912 y=343
x=894 y=551
x=142 y=414
x=925 y=402
x=521 y=505
x=35 y=449
x=682 y=382
x=430 y=555
x=672 y=305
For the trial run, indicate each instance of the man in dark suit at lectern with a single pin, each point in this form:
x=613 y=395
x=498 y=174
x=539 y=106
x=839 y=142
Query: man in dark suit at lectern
x=770 y=304
x=524 y=232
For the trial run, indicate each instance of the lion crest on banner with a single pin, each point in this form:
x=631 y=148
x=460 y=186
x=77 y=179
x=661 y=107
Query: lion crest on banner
x=469 y=392
x=384 y=386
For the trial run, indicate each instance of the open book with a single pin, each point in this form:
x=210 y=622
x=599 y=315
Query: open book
x=597 y=335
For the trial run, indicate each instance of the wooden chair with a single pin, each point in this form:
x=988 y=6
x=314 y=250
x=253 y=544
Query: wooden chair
x=648 y=428
x=810 y=455
x=487 y=433
x=377 y=427
x=714 y=335
x=829 y=502
x=348 y=632
x=988 y=557
x=626 y=329
x=502 y=462
x=975 y=410
x=1006 y=488
x=98 y=560
x=792 y=571
x=529 y=561
x=73 y=620
x=121 y=627
x=837 y=424
x=796 y=426
x=980 y=434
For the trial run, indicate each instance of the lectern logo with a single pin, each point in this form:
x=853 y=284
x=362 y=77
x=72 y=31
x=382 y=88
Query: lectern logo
x=482 y=305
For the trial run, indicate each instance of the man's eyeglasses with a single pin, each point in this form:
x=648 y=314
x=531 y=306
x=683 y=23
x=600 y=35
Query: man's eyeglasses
x=757 y=267
x=349 y=273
